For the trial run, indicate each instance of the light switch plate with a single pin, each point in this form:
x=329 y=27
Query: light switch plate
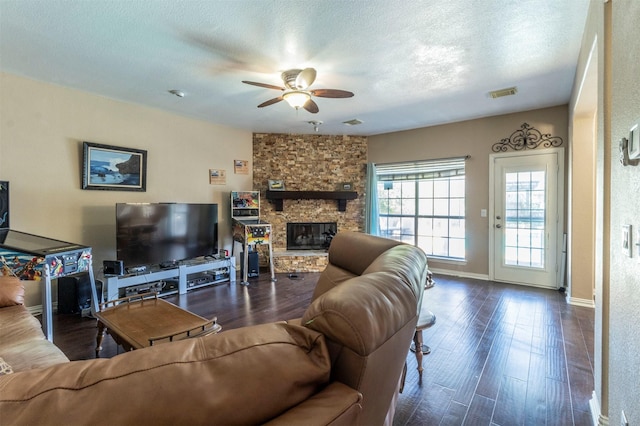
x=626 y=240
x=633 y=146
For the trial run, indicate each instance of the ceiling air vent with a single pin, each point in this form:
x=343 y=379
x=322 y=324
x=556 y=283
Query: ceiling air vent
x=353 y=122
x=503 y=92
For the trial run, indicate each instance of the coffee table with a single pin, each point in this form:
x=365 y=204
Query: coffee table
x=144 y=320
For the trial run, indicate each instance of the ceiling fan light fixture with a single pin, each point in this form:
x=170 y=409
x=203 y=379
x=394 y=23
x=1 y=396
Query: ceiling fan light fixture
x=296 y=98
x=352 y=122
x=316 y=125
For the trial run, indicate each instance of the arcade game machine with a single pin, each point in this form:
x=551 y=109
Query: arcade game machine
x=248 y=229
x=31 y=257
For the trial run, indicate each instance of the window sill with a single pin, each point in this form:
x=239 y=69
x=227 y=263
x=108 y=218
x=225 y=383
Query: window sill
x=447 y=260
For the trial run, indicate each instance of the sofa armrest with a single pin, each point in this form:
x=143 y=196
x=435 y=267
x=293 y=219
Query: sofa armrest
x=335 y=405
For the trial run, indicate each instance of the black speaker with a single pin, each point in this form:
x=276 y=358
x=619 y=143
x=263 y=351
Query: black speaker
x=4 y=204
x=74 y=294
x=254 y=267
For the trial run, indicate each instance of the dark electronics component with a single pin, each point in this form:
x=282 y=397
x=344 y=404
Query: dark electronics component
x=74 y=294
x=4 y=204
x=165 y=233
x=113 y=267
x=253 y=269
x=207 y=277
x=142 y=288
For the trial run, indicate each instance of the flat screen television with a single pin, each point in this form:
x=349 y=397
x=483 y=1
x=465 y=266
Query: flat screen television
x=165 y=233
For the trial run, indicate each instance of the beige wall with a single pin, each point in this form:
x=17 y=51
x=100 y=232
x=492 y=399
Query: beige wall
x=612 y=27
x=474 y=138
x=624 y=339
x=42 y=127
x=588 y=122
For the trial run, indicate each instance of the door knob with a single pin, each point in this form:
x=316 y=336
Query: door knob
x=498 y=226
x=498 y=217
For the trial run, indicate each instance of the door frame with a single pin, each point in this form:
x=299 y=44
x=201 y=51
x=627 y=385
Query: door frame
x=561 y=183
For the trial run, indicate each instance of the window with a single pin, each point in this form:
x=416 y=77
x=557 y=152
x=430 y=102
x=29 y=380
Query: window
x=423 y=204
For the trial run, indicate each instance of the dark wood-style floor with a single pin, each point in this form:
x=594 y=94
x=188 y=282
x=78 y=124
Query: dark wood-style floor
x=500 y=354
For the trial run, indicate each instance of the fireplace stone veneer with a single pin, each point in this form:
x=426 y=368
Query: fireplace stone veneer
x=309 y=163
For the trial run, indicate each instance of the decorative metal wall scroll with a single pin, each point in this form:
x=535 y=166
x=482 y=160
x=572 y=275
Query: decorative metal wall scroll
x=527 y=137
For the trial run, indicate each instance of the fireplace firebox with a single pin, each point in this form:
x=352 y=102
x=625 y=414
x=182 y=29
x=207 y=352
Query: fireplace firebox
x=310 y=235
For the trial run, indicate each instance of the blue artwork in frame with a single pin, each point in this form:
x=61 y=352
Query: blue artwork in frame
x=106 y=167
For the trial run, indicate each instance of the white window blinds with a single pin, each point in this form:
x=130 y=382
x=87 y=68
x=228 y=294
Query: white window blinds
x=421 y=170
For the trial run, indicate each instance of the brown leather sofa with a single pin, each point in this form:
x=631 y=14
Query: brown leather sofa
x=340 y=364
x=23 y=345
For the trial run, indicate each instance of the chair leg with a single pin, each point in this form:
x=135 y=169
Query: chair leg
x=417 y=340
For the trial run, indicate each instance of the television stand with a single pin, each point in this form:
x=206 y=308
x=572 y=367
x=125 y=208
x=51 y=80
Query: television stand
x=181 y=271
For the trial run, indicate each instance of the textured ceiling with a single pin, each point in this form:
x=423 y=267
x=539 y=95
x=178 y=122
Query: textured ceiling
x=410 y=63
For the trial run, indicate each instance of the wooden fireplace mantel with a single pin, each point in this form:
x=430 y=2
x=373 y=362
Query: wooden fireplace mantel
x=341 y=197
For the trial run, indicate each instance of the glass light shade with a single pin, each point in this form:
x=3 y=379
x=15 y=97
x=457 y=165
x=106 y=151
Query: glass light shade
x=296 y=99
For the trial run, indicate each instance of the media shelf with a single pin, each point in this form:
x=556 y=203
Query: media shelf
x=186 y=273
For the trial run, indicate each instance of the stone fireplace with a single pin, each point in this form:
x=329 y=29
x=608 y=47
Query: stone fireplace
x=310 y=235
x=308 y=163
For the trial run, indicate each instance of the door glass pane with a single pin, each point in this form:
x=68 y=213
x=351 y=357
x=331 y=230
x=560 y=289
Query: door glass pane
x=525 y=219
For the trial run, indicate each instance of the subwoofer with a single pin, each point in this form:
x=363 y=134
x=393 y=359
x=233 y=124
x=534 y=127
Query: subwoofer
x=74 y=294
x=254 y=266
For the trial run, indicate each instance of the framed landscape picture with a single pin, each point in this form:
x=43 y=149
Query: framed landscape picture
x=106 y=167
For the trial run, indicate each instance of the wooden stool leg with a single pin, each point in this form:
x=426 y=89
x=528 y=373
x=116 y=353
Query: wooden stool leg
x=417 y=340
x=99 y=338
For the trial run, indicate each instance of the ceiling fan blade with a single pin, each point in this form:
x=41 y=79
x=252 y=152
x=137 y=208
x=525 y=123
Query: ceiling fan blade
x=305 y=78
x=331 y=93
x=268 y=86
x=311 y=106
x=271 y=102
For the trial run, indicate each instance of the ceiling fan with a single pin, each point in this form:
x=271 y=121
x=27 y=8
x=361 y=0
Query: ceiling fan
x=296 y=90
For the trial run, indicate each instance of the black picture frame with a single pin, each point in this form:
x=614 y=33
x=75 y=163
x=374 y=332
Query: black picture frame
x=113 y=168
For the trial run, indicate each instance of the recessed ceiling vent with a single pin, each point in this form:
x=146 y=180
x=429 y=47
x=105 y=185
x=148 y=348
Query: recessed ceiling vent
x=353 y=122
x=503 y=92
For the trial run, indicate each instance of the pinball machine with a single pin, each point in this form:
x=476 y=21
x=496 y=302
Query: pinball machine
x=249 y=230
x=40 y=259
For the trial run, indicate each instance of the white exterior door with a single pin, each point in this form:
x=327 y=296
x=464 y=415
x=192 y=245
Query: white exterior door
x=526 y=217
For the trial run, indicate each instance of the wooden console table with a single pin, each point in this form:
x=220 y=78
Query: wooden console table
x=143 y=320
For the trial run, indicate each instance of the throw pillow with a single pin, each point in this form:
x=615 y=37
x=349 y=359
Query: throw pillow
x=11 y=291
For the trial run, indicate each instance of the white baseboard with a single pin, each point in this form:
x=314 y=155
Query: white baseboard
x=587 y=303
x=461 y=274
x=37 y=309
x=596 y=416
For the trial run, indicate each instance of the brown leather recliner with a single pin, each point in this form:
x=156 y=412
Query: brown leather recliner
x=340 y=364
x=366 y=304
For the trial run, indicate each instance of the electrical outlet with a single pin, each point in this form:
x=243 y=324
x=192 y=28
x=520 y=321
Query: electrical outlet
x=623 y=419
